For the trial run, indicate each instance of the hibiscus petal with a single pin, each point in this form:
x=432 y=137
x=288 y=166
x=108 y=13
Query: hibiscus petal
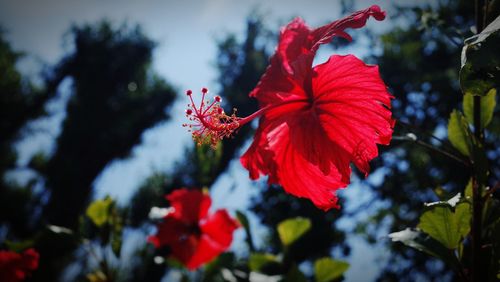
x=353 y=106
x=309 y=166
x=15 y=266
x=206 y=251
x=289 y=70
x=220 y=227
x=189 y=205
x=310 y=140
x=169 y=232
x=30 y=259
x=324 y=34
x=185 y=249
x=276 y=87
x=216 y=237
x=258 y=159
x=302 y=177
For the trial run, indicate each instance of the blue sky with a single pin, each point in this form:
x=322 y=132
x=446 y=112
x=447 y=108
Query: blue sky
x=186 y=33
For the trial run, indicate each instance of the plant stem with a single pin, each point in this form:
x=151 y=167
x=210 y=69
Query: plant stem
x=446 y=148
x=434 y=148
x=477 y=201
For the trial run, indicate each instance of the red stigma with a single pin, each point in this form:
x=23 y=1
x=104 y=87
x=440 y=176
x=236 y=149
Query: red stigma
x=189 y=112
x=204 y=90
x=218 y=99
x=189 y=92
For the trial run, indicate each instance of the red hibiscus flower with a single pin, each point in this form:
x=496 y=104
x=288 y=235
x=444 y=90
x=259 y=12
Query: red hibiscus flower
x=314 y=121
x=16 y=267
x=194 y=236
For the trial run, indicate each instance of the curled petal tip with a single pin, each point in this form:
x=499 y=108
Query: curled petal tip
x=378 y=14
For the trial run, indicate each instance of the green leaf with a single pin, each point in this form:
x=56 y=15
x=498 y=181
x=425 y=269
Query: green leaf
x=212 y=271
x=451 y=202
x=116 y=223
x=447 y=226
x=468 y=190
x=459 y=133
x=242 y=218
x=424 y=243
x=208 y=159
x=480 y=60
x=20 y=245
x=463 y=216
x=292 y=229
x=116 y=239
x=295 y=275
x=99 y=211
x=488 y=103
x=327 y=269
x=264 y=263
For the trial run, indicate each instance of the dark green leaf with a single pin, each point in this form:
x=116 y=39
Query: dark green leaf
x=480 y=61
x=468 y=190
x=292 y=229
x=116 y=225
x=295 y=275
x=451 y=202
x=20 y=245
x=242 y=218
x=459 y=133
x=423 y=242
x=213 y=269
x=116 y=242
x=488 y=103
x=327 y=269
x=264 y=263
x=447 y=226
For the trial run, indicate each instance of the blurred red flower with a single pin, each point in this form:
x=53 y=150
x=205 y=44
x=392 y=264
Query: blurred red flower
x=317 y=120
x=16 y=267
x=194 y=236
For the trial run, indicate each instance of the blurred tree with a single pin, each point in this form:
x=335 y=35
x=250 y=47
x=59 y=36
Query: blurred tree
x=19 y=102
x=115 y=97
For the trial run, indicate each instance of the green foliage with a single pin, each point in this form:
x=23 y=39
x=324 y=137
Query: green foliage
x=327 y=269
x=488 y=103
x=264 y=263
x=150 y=194
x=115 y=97
x=480 y=61
x=445 y=225
x=295 y=275
x=19 y=102
x=242 y=218
x=292 y=229
x=105 y=215
x=459 y=133
x=424 y=243
x=207 y=160
x=20 y=245
x=99 y=211
x=213 y=269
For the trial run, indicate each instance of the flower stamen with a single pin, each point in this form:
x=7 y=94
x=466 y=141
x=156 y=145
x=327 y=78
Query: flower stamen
x=210 y=123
